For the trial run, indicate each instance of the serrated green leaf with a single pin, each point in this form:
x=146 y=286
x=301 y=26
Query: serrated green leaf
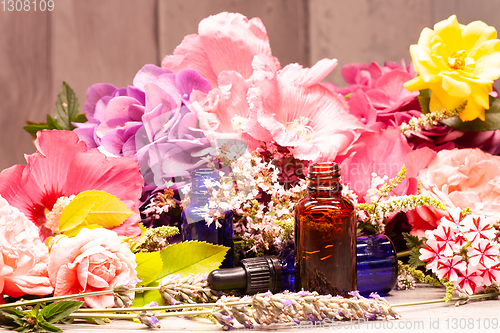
x=93 y=207
x=191 y=257
x=491 y=122
x=413 y=242
x=183 y=258
x=66 y=110
x=59 y=310
x=148 y=266
x=414 y=260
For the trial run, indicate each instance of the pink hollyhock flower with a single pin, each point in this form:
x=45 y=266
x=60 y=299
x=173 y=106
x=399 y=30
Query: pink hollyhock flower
x=253 y=99
x=61 y=167
x=469 y=280
x=459 y=178
x=93 y=260
x=293 y=109
x=431 y=253
x=385 y=158
x=484 y=252
x=23 y=257
x=451 y=268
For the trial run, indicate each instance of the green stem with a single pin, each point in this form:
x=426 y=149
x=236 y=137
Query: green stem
x=133 y=316
x=404 y=253
x=478 y=296
x=162 y=308
x=61 y=298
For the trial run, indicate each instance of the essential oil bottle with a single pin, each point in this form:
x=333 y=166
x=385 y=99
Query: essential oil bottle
x=194 y=226
x=325 y=235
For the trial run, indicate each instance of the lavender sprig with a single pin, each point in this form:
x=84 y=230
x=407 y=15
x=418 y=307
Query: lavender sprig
x=175 y=289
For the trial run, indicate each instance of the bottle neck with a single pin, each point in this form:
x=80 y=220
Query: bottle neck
x=324 y=179
x=199 y=178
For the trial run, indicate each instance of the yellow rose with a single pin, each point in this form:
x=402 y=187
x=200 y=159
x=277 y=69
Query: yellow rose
x=457 y=63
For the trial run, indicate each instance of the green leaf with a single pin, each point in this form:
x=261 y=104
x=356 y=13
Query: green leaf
x=93 y=207
x=491 y=122
x=413 y=242
x=32 y=128
x=424 y=99
x=66 y=110
x=59 y=310
x=414 y=260
x=44 y=326
x=52 y=123
x=183 y=258
x=191 y=257
x=80 y=118
x=97 y=321
x=148 y=266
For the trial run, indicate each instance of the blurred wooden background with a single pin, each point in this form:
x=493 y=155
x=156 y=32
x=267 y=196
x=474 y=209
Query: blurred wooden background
x=84 y=42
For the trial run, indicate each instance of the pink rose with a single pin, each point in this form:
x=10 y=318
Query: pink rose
x=459 y=178
x=23 y=257
x=93 y=260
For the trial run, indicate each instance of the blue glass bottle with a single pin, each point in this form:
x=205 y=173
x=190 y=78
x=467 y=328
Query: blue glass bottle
x=194 y=226
x=377 y=264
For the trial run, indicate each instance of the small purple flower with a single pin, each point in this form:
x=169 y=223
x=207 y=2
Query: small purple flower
x=302 y=293
x=154 y=322
x=375 y=295
x=286 y=302
x=355 y=293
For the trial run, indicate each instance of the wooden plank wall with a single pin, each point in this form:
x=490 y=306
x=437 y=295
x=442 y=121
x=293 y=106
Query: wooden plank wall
x=84 y=42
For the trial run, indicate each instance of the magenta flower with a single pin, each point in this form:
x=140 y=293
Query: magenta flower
x=62 y=166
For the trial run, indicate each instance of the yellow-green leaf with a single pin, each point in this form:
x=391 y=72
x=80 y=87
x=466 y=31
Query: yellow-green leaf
x=94 y=207
x=148 y=266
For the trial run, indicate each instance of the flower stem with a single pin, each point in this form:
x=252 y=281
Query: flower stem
x=133 y=316
x=162 y=308
x=478 y=296
x=404 y=253
x=61 y=298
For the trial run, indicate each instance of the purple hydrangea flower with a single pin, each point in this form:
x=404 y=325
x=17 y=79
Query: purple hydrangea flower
x=151 y=121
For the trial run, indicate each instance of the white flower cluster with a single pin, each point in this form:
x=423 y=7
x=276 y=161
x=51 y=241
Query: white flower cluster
x=263 y=208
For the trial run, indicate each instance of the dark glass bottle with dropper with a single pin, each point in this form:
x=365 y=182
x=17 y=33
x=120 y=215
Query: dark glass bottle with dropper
x=325 y=235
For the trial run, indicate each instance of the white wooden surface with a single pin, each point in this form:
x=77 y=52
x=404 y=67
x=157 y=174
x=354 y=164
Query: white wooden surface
x=436 y=318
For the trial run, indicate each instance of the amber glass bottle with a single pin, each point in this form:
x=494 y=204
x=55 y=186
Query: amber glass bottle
x=325 y=235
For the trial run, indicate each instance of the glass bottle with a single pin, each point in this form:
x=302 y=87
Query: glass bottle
x=194 y=226
x=377 y=264
x=325 y=235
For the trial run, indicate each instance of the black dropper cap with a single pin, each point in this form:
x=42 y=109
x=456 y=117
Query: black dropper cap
x=254 y=275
